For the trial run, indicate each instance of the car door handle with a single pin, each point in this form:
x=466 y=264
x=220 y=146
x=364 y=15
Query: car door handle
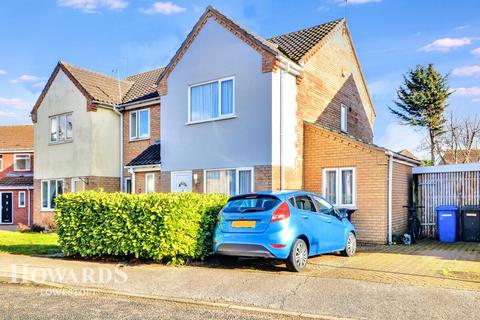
x=304 y=216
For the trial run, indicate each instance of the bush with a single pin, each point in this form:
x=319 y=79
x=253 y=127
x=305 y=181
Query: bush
x=173 y=228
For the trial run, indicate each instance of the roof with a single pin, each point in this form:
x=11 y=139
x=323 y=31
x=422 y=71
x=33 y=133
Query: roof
x=150 y=156
x=297 y=44
x=449 y=157
x=16 y=137
x=144 y=86
x=464 y=167
x=407 y=153
x=100 y=87
x=13 y=181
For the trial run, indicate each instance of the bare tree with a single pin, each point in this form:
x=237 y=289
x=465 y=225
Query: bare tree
x=469 y=136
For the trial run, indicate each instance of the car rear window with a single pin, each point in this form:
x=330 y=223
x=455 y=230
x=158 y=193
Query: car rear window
x=251 y=203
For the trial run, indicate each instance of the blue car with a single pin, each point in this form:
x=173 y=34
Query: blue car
x=291 y=226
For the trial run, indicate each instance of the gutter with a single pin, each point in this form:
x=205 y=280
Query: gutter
x=390 y=183
x=142 y=103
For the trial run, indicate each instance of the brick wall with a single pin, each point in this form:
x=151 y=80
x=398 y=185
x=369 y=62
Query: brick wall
x=8 y=160
x=140 y=181
x=132 y=148
x=324 y=149
x=402 y=195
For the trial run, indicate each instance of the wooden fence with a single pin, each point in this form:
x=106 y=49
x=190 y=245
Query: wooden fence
x=444 y=185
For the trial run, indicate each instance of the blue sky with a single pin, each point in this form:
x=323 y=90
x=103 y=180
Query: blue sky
x=390 y=37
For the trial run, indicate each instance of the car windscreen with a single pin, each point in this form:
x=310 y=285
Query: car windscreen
x=251 y=203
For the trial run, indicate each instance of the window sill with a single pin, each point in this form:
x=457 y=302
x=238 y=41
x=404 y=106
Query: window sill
x=138 y=139
x=233 y=116
x=47 y=210
x=59 y=143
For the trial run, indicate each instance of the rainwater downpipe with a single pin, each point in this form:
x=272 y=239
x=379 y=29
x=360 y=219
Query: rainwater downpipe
x=390 y=176
x=282 y=173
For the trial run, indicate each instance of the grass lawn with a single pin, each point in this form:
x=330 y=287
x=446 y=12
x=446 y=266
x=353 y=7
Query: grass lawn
x=28 y=243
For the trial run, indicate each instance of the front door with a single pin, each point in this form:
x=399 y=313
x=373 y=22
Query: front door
x=181 y=181
x=6 y=207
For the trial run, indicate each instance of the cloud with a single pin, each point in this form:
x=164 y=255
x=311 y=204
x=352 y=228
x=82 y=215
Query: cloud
x=2 y=72
x=355 y=2
x=26 y=78
x=166 y=8
x=14 y=103
x=90 y=6
x=466 y=71
x=476 y=52
x=7 y=114
x=398 y=137
x=322 y=8
x=467 y=91
x=476 y=100
x=446 y=44
x=461 y=27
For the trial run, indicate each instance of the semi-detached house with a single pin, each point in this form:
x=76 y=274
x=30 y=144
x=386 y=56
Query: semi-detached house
x=231 y=113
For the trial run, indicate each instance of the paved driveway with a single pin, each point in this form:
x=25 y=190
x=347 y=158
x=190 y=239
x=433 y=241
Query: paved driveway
x=428 y=263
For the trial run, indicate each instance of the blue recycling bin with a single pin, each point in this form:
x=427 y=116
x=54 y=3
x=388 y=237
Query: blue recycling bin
x=447 y=223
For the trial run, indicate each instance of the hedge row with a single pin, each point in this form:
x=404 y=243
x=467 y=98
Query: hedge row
x=168 y=227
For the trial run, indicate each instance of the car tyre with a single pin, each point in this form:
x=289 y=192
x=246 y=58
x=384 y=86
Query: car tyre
x=227 y=260
x=297 y=260
x=350 y=245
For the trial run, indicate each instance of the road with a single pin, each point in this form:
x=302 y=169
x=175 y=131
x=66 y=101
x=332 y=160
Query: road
x=32 y=302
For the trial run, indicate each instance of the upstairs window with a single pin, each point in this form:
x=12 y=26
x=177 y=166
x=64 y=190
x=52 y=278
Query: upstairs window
x=211 y=100
x=140 y=124
x=343 y=118
x=339 y=186
x=61 y=128
x=21 y=162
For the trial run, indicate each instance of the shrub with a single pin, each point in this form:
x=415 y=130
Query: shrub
x=23 y=228
x=37 y=228
x=174 y=227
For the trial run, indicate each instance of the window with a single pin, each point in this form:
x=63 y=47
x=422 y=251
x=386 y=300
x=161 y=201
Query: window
x=61 y=128
x=343 y=118
x=140 y=124
x=305 y=203
x=1 y=163
x=128 y=185
x=229 y=181
x=323 y=206
x=21 y=199
x=339 y=186
x=77 y=185
x=150 y=182
x=212 y=100
x=50 y=190
x=21 y=162
x=251 y=203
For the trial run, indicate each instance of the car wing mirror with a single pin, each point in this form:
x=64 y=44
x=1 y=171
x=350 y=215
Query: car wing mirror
x=341 y=213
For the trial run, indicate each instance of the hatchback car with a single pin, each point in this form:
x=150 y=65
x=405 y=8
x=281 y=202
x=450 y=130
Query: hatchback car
x=291 y=226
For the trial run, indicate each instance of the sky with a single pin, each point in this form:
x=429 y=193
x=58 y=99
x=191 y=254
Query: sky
x=390 y=37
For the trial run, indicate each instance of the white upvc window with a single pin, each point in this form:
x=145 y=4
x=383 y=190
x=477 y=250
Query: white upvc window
x=61 y=128
x=149 y=182
x=229 y=181
x=211 y=100
x=127 y=185
x=1 y=162
x=50 y=189
x=21 y=162
x=77 y=185
x=21 y=199
x=343 y=118
x=339 y=186
x=140 y=124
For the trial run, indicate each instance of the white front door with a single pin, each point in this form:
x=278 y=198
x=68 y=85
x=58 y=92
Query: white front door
x=181 y=181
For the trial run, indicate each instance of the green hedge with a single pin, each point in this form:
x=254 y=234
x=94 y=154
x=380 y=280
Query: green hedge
x=168 y=227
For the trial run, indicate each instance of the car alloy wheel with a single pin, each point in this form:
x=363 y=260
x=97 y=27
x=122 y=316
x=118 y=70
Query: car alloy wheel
x=298 y=256
x=350 y=246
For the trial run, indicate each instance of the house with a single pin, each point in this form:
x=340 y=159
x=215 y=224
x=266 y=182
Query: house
x=16 y=175
x=459 y=156
x=232 y=113
x=288 y=112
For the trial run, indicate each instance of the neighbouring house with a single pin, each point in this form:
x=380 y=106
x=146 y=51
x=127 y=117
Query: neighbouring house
x=16 y=175
x=459 y=156
x=231 y=113
x=288 y=112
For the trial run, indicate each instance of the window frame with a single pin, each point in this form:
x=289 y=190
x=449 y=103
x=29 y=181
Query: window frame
x=24 y=199
x=237 y=178
x=219 y=106
x=338 y=189
x=73 y=184
x=136 y=136
x=48 y=208
x=343 y=118
x=15 y=168
x=125 y=189
x=57 y=117
x=146 y=182
x=1 y=162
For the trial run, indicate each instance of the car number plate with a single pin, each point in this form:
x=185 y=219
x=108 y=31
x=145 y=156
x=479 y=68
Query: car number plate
x=244 y=224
